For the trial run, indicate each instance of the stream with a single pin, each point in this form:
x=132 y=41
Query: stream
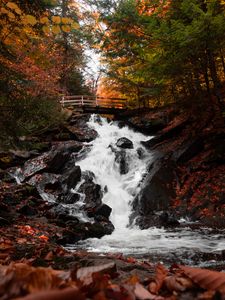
x=180 y=244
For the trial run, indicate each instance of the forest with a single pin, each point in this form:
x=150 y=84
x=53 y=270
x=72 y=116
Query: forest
x=126 y=205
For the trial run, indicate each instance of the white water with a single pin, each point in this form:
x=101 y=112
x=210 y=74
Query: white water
x=121 y=192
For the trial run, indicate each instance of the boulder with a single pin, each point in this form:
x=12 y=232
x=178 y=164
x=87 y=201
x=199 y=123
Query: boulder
x=124 y=143
x=121 y=159
x=58 y=161
x=71 y=178
x=92 y=191
x=157 y=189
x=103 y=210
x=70 y=198
x=28 y=210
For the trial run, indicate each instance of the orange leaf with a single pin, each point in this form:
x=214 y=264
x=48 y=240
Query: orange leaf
x=141 y=293
x=177 y=283
x=156 y=284
x=206 y=279
x=85 y=274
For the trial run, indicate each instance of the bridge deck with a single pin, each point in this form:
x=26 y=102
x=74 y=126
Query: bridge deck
x=90 y=104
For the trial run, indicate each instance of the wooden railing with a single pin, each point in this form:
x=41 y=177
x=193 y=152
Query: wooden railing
x=92 y=101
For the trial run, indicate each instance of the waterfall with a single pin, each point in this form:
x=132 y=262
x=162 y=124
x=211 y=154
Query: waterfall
x=120 y=191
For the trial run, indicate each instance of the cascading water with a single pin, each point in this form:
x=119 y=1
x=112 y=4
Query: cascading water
x=120 y=192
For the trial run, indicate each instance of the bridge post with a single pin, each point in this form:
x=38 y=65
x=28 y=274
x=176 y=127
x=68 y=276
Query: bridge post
x=63 y=101
x=82 y=100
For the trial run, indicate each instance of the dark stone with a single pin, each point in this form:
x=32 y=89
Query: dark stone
x=4 y=222
x=104 y=210
x=140 y=152
x=58 y=212
x=68 y=146
x=121 y=158
x=72 y=223
x=72 y=177
x=93 y=194
x=79 y=130
x=71 y=198
x=47 y=183
x=158 y=188
x=169 y=220
x=27 y=210
x=124 y=143
x=58 y=161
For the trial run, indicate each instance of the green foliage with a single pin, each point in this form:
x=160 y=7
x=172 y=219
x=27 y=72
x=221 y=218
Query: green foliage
x=26 y=116
x=172 y=49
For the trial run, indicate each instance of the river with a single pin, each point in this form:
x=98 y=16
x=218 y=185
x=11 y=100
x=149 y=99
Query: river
x=120 y=191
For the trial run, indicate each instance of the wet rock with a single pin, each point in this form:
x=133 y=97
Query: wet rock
x=79 y=129
x=140 y=152
x=70 y=198
x=158 y=188
x=103 y=210
x=67 y=146
x=92 y=191
x=98 y=230
x=28 y=210
x=124 y=143
x=58 y=162
x=72 y=177
x=47 y=183
x=168 y=219
x=85 y=230
x=121 y=158
x=36 y=165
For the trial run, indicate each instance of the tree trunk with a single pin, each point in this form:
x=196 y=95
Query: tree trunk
x=223 y=61
x=216 y=81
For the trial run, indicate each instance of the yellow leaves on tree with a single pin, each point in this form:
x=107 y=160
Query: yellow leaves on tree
x=56 y=19
x=14 y=17
x=29 y=20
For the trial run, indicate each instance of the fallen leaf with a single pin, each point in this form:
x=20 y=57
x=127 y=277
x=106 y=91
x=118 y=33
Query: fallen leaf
x=156 y=284
x=85 y=274
x=177 y=283
x=142 y=293
x=65 y=294
x=206 y=279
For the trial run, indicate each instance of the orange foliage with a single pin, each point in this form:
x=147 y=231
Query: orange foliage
x=146 y=7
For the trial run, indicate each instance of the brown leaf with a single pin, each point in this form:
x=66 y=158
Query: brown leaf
x=177 y=283
x=85 y=274
x=20 y=277
x=156 y=284
x=66 y=294
x=206 y=279
x=117 y=292
x=141 y=293
x=49 y=256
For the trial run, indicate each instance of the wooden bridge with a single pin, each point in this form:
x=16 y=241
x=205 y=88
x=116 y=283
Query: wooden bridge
x=94 y=104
